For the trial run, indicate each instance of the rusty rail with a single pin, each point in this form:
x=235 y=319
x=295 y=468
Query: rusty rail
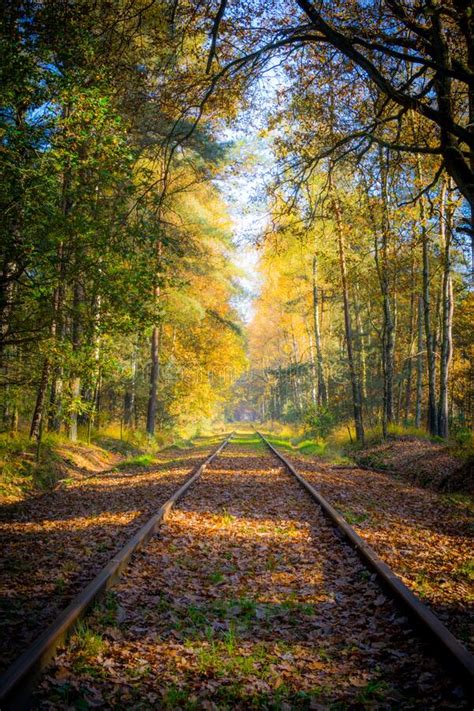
x=458 y=657
x=18 y=681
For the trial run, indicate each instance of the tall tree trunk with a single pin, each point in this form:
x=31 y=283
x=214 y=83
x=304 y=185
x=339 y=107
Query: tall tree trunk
x=362 y=346
x=429 y=338
x=154 y=356
x=129 y=397
x=322 y=388
x=57 y=384
x=76 y=344
x=419 y=364
x=411 y=326
x=314 y=372
x=355 y=385
x=388 y=337
x=39 y=412
x=154 y=372
x=447 y=315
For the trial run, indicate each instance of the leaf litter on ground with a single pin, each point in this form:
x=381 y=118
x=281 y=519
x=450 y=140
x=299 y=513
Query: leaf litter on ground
x=425 y=536
x=54 y=544
x=247 y=599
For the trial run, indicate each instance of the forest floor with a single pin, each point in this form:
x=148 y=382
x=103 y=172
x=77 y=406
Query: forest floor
x=425 y=536
x=247 y=599
x=55 y=542
x=424 y=462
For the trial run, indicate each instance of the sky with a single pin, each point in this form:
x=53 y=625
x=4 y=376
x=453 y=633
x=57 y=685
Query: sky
x=244 y=192
x=243 y=186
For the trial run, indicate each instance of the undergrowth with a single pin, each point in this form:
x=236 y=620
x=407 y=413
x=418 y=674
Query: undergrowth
x=20 y=472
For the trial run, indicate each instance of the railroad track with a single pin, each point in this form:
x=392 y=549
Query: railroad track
x=448 y=646
x=18 y=681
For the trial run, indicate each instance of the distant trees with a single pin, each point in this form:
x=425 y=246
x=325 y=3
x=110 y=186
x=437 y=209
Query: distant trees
x=355 y=282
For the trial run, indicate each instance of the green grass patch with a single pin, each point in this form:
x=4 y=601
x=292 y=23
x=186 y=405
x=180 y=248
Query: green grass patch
x=423 y=585
x=226 y=518
x=105 y=612
x=141 y=460
x=466 y=570
x=354 y=517
x=87 y=645
x=305 y=446
x=216 y=577
x=464 y=502
x=375 y=690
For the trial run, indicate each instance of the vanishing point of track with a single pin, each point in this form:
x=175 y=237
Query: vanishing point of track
x=16 y=684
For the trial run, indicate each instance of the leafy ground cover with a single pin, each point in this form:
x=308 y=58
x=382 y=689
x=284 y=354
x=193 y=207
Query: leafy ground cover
x=430 y=464
x=25 y=472
x=425 y=536
x=246 y=599
x=53 y=545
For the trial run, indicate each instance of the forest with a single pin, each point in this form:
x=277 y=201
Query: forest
x=235 y=215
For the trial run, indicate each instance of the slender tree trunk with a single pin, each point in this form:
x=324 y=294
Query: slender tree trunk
x=356 y=392
x=430 y=351
x=419 y=365
x=129 y=397
x=388 y=338
x=76 y=344
x=13 y=264
x=37 y=420
x=40 y=400
x=322 y=388
x=57 y=384
x=447 y=317
x=154 y=372
x=154 y=355
x=362 y=347
x=408 y=387
x=7 y=291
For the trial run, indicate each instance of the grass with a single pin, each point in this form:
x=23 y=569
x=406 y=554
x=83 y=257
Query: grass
x=375 y=690
x=353 y=517
x=466 y=570
x=87 y=645
x=234 y=616
x=250 y=440
x=233 y=694
x=20 y=473
x=461 y=501
x=308 y=447
x=220 y=658
x=423 y=585
x=226 y=518
x=216 y=577
x=140 y=460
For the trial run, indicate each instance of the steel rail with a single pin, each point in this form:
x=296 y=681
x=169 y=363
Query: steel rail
x=458 y=657
x=17 y=682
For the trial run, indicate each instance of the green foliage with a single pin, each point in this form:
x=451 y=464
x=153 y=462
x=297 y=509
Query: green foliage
x=320 y=420
x=21 y=473
x=141 y=460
